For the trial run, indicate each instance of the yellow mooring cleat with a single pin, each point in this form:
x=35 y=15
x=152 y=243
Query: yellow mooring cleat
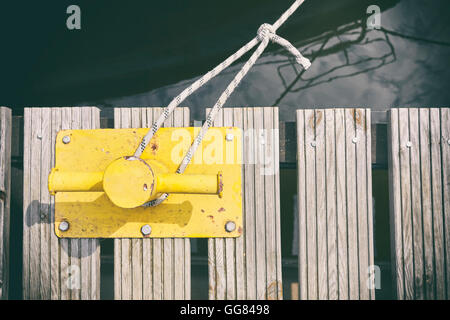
x=103 y=192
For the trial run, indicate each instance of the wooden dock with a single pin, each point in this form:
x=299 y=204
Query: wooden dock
x=419 y=171
x=5 y=196
x=335 y=204
x=334 y=152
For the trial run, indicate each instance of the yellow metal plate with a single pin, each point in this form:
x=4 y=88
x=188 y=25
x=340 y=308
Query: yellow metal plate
x=93 y=215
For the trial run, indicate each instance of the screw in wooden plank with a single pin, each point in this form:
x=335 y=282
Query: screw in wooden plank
x=146 y=230
x=313 y=144
x=409 y=144
x=355 y=140
x=66 y=139
x=229 y=137
x=63 y=226
x=230 y=226
x=448 y=142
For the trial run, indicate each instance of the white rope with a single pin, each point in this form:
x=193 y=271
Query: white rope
x=266 y=33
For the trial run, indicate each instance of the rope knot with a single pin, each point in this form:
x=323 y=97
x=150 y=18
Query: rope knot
x=265 y=31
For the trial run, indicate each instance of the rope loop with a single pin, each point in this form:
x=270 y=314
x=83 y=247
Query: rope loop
x=266 y=31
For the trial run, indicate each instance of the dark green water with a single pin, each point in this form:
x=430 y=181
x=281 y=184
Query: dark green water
x=144 y=53
x=403 y=64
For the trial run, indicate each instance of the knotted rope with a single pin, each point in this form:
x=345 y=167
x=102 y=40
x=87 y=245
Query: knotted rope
x=266 y=33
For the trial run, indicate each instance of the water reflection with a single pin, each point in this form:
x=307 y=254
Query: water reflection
x=342 y=41
x=402 y=64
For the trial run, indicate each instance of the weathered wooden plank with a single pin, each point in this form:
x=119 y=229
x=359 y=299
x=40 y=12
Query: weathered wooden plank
x=416 y=204
x=350 y=128
x=331 y=217
x=249 y=267
x=418 y=166
x=425 y=180
x=249 y=159
x=278 y=294
x=46 y=227
x=238 y=119
x=370 y=217
x=5 y=196
x=445 y=149
x=53 y=268
x=321 y=220
x=301 y=185
x=437 y=203
x=405 y=178
x=151 y=268
x=335 y=228
x=260 y=221
x=310 y=194
x=363 y=200
x=342 y=241
x=271 y=181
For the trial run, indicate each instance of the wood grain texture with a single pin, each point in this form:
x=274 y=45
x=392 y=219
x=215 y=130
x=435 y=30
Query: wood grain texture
x=53 y=268
x=335 y=204
x=419 y=151
x=151 y=269
x=249 y=267
x=5 y=196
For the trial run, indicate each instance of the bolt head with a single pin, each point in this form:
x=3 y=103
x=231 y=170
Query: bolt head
x=448 y=142
x=39 y=136
x=63 y=226
x=313 y=144
x=66 y=139
x=230 y=226
x=146 y=230
x=229 y=137
x=409 y=144
x=355 y=140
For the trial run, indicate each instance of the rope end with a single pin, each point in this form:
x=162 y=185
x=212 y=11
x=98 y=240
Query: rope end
x=306 y=63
